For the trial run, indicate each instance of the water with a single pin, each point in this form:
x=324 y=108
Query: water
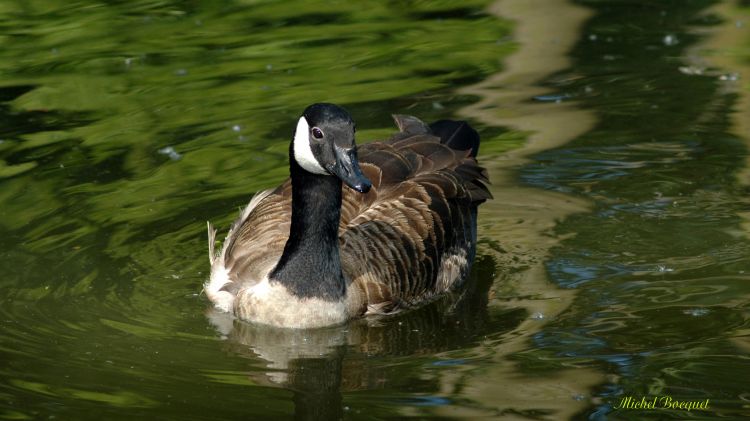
x=613 y=261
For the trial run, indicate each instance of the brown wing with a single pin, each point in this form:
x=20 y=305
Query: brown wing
x=256 y=240
x=412 y=236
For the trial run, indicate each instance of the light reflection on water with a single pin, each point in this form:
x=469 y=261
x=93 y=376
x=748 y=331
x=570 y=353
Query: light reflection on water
x=661 y=264
x=125 y=128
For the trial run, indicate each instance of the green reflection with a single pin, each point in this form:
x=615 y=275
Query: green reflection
x=127 y=125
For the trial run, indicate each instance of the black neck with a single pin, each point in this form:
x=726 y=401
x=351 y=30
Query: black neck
x=310 y=265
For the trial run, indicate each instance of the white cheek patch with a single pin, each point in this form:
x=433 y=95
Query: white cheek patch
x=302 y=152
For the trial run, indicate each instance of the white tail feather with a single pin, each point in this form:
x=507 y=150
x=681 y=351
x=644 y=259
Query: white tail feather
x=214 y=288
x=211 y=242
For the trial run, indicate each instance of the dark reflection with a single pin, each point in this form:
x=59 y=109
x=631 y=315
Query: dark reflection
x=316 y=383
x=318 y=365
x=9 y=93
x=14 y=124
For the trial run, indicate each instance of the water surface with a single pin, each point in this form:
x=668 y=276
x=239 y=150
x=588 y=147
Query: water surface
x=613 y=261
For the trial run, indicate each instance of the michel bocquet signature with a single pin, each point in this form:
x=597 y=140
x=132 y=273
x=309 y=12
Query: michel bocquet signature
x=661 y=402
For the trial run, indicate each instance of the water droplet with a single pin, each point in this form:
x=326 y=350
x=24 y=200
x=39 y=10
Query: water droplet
x=691 y=70
x=237 y=128
x=730 y=77
x=592 y=37
x=171 y=153
x=696 y=312
x=551 y=98
x=537 y=316
x=663 y=269
x=670 y=40
x=181 y=72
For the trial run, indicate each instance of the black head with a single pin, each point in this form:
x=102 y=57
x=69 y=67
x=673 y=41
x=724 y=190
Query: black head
x=324 y=144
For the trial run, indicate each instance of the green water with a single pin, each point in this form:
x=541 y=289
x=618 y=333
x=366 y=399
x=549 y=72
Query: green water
x=614 y=261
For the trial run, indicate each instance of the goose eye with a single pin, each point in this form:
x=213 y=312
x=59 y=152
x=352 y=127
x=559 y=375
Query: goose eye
x=317 y=133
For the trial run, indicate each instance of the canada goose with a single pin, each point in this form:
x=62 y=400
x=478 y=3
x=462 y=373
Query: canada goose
x=314 y=253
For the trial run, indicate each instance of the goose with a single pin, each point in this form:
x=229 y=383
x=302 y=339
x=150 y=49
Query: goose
x=354 y=231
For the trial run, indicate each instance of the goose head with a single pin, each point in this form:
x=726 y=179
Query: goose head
x=324 y=144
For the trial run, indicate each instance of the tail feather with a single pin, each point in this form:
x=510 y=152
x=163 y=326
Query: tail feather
x=458 y=135
x=211 y=242
x=410 y=125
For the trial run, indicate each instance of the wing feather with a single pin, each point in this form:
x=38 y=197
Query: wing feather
x=396 y=247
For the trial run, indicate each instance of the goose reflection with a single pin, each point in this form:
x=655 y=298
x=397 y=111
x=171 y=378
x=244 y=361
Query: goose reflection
x=317 y=365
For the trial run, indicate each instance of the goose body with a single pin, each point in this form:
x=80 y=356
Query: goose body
x=354 y=231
